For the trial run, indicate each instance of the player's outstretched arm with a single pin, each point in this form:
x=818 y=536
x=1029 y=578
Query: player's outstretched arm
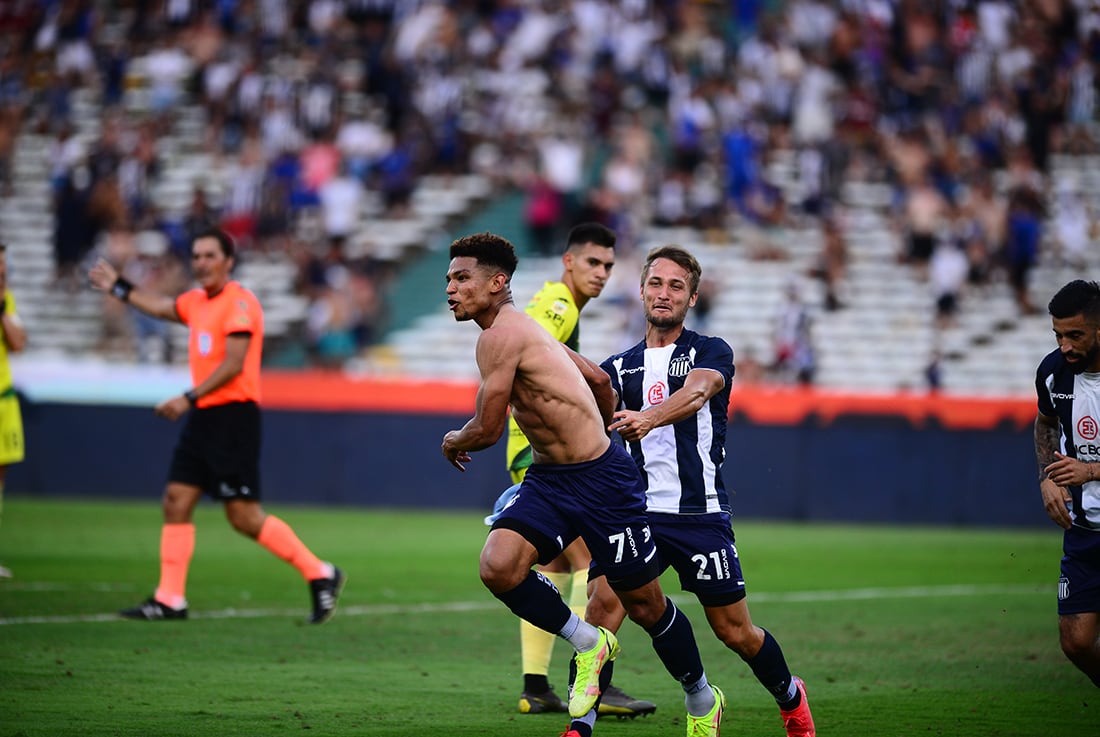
x=105 y=278
x=700 y=385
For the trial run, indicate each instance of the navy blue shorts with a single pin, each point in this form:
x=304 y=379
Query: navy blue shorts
x=602 y=501
x=219 y=451
x=1079 y=582
x=701 y=549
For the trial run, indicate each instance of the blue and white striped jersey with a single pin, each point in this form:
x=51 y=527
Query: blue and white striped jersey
x=681 y=463
x=1075 y=400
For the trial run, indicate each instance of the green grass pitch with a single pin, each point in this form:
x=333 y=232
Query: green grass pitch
x=898 y=631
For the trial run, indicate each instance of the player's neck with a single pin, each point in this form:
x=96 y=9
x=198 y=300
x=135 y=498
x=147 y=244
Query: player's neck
x=486 y=319
x=578 y=299
x=659 y=337
x=215 y=289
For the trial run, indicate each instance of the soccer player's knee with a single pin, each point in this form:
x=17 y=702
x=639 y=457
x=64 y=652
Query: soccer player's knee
x=499 y=574
x=745 y=640
x=643 y=610
x=603 y=605
x=1076 y=648
x=245 y=519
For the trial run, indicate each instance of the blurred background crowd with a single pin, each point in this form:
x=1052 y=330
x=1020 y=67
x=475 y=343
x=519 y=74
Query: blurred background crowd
x=304 y=124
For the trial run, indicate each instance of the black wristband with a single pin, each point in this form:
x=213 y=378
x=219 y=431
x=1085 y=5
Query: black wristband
x=192 y=397
x=3 y=303
x=121 y=289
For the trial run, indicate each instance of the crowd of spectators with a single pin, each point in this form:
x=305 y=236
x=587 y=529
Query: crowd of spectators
x=632 y=113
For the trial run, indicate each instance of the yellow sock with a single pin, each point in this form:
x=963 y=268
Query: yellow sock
x=578 y=593
x=537 y=645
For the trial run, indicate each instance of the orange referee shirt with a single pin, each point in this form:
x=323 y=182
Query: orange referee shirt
x=212 y=319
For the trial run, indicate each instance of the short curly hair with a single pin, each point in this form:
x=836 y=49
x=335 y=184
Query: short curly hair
x=489 y=249
x=1079 y=297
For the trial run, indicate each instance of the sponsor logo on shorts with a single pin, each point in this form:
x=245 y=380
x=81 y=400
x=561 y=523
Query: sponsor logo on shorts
x=631 y=541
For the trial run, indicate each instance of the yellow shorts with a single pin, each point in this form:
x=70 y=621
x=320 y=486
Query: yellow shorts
x=11 y=430
x=517 y=453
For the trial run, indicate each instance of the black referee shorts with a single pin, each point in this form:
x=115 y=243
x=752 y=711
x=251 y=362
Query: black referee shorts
x=219 y=451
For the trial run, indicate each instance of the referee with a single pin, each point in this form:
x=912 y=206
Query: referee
x=218 y=451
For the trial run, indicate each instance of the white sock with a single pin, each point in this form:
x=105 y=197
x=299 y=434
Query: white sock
x=580 y=634
x=699 y=697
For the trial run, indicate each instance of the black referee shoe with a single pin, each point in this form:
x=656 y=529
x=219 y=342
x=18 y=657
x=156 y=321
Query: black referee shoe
x=325 y=592
x=152 y=610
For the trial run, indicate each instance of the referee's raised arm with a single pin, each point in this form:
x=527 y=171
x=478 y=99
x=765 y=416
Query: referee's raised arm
x=105 y=277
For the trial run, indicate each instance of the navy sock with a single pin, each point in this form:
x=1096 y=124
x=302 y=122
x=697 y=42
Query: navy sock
x=674 y=643
x=770 y=668
x=581 y=727
x=537 y=601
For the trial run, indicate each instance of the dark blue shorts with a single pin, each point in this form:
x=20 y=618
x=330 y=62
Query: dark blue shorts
x=602 y=501
x=701 y=549
x=1079 y=582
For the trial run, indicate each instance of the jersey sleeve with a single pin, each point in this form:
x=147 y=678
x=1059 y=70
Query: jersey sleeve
x=608 y=367
x=185 y=303
x=242 y=316
x=716 y=354
x=1042 y=387
x=553 y=308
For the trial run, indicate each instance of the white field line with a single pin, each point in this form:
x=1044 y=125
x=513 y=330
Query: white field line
x=369 y=610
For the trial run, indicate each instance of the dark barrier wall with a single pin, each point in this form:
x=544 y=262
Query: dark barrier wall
x=840 y=467
x=311 y=457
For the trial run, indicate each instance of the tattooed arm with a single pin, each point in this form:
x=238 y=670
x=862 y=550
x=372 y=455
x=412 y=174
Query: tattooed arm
x=1047 y=445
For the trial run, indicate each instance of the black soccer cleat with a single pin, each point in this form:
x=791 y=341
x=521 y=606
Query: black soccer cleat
x=152 y=610
x=546 y=702
x=325 y=592
x=614 y=702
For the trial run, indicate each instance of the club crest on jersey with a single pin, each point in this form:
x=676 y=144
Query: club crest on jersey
x=559 y=307
x=1087 y=428
x=205 y=344
x=680 y=366
x=658 y=393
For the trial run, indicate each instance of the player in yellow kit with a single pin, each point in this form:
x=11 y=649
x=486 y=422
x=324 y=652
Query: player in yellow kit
x=586 y=266
x=12 y=338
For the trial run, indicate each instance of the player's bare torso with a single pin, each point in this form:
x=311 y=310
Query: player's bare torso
x=550 y=399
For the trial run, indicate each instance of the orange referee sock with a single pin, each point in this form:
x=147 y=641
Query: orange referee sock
x=276 y=536
x=177 y=545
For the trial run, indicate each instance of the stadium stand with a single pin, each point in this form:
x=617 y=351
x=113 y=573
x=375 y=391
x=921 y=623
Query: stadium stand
x=491 y=96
